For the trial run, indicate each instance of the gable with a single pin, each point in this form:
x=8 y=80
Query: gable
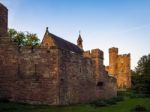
x=51 y=40
x=48 y=41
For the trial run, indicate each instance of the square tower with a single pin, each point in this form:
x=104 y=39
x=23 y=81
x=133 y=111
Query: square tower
x=3 y=21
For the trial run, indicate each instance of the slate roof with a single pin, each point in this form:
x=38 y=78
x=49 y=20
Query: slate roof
x=64 y=44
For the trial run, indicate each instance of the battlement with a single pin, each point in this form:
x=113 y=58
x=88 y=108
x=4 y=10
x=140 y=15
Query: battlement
x=94 y=53
x=97 y=53
x=113 y=49
x=87 y=54
x=124 y=55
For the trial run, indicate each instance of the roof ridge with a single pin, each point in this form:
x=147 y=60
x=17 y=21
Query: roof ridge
x=63 y=39
x=62 y=43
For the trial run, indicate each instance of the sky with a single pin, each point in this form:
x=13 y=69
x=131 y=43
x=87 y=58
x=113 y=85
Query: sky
x=103 y=23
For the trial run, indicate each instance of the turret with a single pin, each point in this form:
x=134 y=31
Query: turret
x=97 y=57
x=3 y=21
x=79 y=42
x=113 y=55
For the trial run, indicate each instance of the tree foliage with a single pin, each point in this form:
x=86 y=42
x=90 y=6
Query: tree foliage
x=141 y=76
x=23 y=39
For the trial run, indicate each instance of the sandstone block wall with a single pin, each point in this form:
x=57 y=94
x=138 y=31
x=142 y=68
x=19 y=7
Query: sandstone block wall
x=119 y=66
x=105 y=84
x=77 y=78
x=28 y=75
x=124 y=71
x=54 y=74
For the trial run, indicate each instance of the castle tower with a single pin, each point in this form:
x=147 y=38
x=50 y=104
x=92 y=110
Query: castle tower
x=113 y=55
x=124 y=71
x=3 y=20
x=119 y=66
x=80 y=41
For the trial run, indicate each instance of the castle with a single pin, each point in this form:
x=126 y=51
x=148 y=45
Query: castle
x=57 y=72
x=119 y=67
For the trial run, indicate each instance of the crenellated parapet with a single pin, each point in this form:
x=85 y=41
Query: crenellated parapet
x=113 y=50
x=97 y=53
x=94 y=53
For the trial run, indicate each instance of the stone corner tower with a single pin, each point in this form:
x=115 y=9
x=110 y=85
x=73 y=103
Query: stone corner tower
x=119 y=67
x=113 y=56
x=124 y=71
x=3 y=21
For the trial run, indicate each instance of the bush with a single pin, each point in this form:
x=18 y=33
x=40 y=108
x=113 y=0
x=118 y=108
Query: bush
x=4 y=100
x=120 y=93
x=119 y=98
x=111 y=101
x=139 y=108
x=134 y=95
x=99 y=103
x=102 y=103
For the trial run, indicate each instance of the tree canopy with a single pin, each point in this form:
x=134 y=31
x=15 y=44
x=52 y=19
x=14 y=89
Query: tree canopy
x=23 y=38
x=141 y=75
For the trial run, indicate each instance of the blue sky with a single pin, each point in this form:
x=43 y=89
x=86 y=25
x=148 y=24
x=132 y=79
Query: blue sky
x=103 y=23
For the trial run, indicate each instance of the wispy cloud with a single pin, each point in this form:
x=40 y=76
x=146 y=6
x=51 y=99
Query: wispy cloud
x=133 y=29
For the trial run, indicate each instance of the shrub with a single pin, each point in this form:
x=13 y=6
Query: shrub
x=139 y=108
x=102 y=103
x=111 y=101
x=119 y=98
x=99 y=103
x=4 y=100
x=134 y=95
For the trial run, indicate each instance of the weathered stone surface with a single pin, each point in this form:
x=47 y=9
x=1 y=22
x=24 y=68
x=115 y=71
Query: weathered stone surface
x=52 y=75
x=119 y=66
x=3 y=20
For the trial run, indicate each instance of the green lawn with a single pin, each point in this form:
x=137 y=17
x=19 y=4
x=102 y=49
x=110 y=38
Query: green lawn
x=124 y=106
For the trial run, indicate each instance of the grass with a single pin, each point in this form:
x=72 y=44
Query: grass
x=123 y=106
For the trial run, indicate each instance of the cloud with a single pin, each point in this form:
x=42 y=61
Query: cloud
x=133 y=29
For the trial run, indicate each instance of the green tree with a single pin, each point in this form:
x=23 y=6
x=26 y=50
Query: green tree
x=31 y=39
x=23 y=39
x=141 y=76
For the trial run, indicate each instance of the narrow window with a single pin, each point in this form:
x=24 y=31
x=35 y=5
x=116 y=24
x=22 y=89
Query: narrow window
x=100 y=85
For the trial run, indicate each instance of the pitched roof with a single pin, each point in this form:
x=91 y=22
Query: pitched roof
x=64 y=44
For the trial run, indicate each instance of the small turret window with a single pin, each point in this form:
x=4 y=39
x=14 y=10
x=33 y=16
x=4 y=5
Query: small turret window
x=100 y=85
x=46 y=44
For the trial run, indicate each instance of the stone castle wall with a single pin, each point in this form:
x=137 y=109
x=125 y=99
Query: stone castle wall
x=77 y=78
x=28 y=75
x=105 y=84
x=50 y=75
